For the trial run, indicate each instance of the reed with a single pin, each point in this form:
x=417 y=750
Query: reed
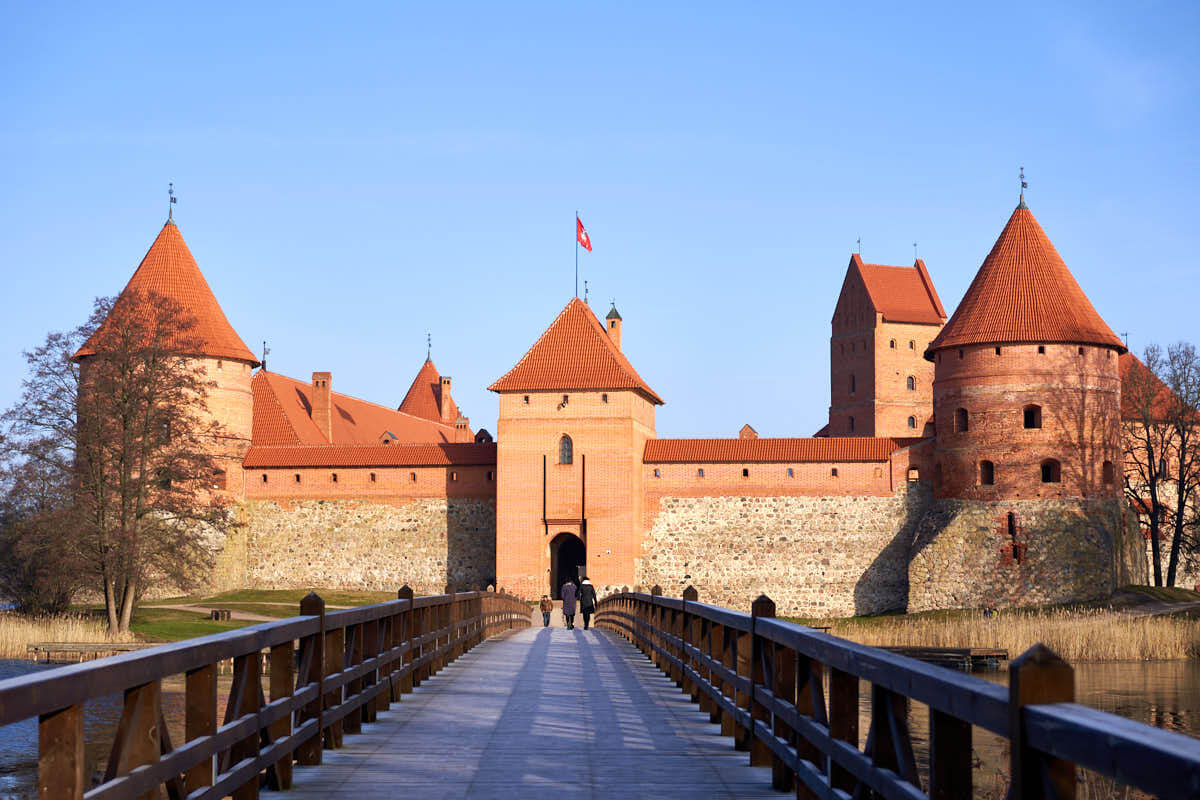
x=1076 y=635
x=17 y=631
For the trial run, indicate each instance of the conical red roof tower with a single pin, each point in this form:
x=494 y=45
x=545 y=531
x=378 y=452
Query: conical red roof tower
x=1024 y=293
x=169 y=270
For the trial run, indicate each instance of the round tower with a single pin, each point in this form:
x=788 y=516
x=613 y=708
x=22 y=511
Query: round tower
x=169 y=270
x=1026 y=388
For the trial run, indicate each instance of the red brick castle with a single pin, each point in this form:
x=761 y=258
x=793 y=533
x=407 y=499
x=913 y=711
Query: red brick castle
x=964 y=462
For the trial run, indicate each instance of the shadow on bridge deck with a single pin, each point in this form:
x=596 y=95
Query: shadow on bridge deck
x=545 y=712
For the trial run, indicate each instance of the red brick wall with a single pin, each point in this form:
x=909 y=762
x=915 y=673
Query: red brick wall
x=878 y=355
x=391 y=484
x=1079 y=396
x=609 y=437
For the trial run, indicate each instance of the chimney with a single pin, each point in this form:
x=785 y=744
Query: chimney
x=612 y=324
x=322 y=403
x=444 y=399
x=462 y=429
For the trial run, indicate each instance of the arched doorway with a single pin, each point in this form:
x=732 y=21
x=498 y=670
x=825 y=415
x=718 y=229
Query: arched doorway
x=568 y=554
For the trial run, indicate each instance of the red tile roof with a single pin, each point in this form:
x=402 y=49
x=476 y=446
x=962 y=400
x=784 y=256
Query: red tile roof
x=424 y=396
x=715 y=451
x=377 y=455
x=282 y=416
x=169 y=270
x=901 y=294
x=574 y=353
x=1024 y=293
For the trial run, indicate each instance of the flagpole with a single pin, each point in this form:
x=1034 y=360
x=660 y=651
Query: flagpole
x=577 y=252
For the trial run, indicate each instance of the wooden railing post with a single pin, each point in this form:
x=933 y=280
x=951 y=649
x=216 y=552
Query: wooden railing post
x=687 y=633
x=782 y=776
x=138 y=741
x=312 y=670
x=353 y=648
x=200 y=719
x=761 y=673
x=335 y=662
x=408 y=618
x=810 y=702
x=1036 y=677
x=655 y=622
x=60 y=754
x=249 y=667
x=282 y=685
x=843 y=723
x=370 y=638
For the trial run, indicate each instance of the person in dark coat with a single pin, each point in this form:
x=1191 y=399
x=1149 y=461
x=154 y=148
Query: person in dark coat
x=587 y=602
x=547 y=606
x=568 y=600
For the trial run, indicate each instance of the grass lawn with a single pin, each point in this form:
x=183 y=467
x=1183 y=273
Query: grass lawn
x=290 y=596
x=170 y=625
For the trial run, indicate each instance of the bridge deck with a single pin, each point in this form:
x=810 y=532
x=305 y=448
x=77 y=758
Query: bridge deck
x=545 y=712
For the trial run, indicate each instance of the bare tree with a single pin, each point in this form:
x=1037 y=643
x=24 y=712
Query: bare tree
x=1182 y=378
x=122 y=425
x=1146 y=437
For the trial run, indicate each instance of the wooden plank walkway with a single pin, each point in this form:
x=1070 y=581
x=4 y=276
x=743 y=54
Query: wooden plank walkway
x=543 y=713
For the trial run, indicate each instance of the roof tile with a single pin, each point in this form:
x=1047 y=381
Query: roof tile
x=575 y=352
x=1024 y=293
x=902 y=294
x=168 y=269
x=373 y=455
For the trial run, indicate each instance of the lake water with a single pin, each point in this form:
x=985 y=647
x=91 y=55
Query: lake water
x=1161 y=693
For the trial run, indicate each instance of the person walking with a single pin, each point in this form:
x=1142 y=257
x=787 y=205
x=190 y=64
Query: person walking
x=547 y=605
x=587 y=601
x=568 y=599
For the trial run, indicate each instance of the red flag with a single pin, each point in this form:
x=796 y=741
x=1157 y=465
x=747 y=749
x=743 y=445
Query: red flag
x=581 y=235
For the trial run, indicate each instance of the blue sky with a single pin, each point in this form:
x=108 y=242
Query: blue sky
x=352 y=176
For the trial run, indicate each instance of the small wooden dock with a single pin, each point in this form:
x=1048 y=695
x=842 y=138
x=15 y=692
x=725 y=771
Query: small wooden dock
x=75 y=652
x=965 y=659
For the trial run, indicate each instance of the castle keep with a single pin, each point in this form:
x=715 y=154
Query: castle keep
x=965 y=462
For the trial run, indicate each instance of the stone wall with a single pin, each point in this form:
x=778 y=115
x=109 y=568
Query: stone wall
x=814 y=556
x=966 y=555
x=350 y=544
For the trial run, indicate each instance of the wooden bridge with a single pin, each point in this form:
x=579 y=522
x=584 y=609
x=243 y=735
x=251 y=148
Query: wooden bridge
x=457 y=696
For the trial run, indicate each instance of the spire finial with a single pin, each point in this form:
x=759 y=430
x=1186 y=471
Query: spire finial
x=428 y=346
x=585 y=291
x=914 y=251
x=171 y=203
x=266 y=351
x=860 y=245
x=1024 y=186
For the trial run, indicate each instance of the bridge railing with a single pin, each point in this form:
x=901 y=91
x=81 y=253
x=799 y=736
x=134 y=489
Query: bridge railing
x=790 y=696
x=329 y=672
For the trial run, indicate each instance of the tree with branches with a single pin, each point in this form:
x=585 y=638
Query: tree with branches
x=1182 y=378
x=1146 y=437
x=113 y=415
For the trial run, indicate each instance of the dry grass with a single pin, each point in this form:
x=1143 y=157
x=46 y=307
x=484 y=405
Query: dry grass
x=17 y=631
x=1076 y=635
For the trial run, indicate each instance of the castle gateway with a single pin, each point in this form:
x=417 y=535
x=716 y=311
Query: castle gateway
x=965 y=462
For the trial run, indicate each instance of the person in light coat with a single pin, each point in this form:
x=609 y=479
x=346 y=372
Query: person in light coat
x=568 y=600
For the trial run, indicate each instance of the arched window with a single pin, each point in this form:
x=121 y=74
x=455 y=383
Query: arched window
x=1051 y=471
x=987 y=473
x=565 y=450
x=961 y=422
x=1033 y=416
x=853 y=384
x=892 y=344
x=912 y=383
x=912 y=423
x=1108 y=472
x=912 y=345
x=852 y=424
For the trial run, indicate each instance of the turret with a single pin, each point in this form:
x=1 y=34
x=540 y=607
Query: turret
x=612 y=324
x=1026 y=388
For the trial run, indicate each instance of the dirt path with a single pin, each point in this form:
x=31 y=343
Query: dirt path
x=247 y=616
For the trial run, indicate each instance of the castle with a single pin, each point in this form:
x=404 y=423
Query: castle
x=965 y=462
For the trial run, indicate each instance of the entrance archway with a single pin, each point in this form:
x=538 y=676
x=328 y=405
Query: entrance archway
x=568 y=555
